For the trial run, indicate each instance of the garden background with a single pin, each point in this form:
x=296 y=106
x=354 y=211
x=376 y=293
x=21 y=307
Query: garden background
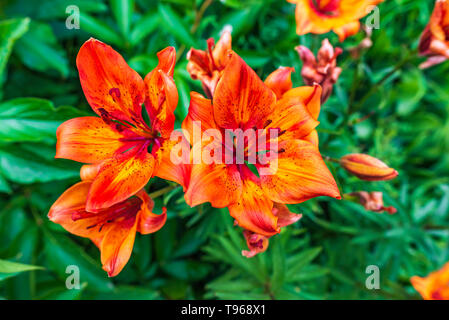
x=382 y=105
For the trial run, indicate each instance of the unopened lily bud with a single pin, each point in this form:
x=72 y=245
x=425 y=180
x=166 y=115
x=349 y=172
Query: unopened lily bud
x=323 y=69
x=434 y=42
x=367 y=168
x=372 y=201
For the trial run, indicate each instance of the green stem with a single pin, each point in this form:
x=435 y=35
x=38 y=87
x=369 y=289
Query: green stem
x=374 y=88
x=198 y=16
x=330 y=159
x=162 y=191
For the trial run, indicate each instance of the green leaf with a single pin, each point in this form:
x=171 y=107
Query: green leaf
x=19 y=165
x=40 y=51
x=32 y=119
x=146 y=25
x=174 y=25
x=61 y=252
x=278 y=260
x=100 y=30
x=10 y=269
x=57 y=8
x=122 y=10
x=4 y=185
x=10 y=32
x=128 y=293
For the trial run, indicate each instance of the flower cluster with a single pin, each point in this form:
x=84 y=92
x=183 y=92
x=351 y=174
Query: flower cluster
x=248 y=145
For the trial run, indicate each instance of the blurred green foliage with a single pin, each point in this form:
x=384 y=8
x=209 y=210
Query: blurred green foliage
x=197 y=255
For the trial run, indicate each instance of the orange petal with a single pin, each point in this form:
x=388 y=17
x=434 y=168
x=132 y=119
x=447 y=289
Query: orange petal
x=220 y=52
x=311 y=97
x=292 y=116
x=117 y=245
x=120 y=178
x=347 y=30
x=218 y=184
x=285 y=216
x=111 y=87
x=433 y=286
x=299 y=174
x=256 y=243
x=254 y=210
x=200 y=112
x=166 y=168
x=280 y=81
x=241 y=99
x=149 y=222
x=312 y=138
x=88 y=172
x=162 y=95
x=88 y=140
x=72 y=200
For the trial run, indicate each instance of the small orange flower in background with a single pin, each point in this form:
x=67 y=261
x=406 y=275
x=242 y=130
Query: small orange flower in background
x=257 y=201
x=322 y=69
x=110 y=205
x=434 y=42
x=208 y=66
x=322 y=16
x=367 y=168
x=435 y=286
x=372 y=201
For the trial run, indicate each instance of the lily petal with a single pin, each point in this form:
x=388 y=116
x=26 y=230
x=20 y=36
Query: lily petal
x=254 y=210
x=218 y=184
x=88 y=140
x=162 y=95
x=117 y=245
x=120 y=178
x=299 y=174
x=241 y=99
x=111 y=87
x=292 y=116
x=149 y=222
x=280 y=81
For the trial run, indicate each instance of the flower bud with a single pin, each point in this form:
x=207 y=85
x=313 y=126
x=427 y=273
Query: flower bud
x=372 y=201
x=367 y=168
x=434 y=42
x=322 y=70
x=208 y=65
x=256 y=243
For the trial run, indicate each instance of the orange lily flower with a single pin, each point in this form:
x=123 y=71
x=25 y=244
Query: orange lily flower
x=367 y=168
x=242 y=101
x=118 y=142
x=208 y=66
x=434 y=41
x=435 y=286
x=322 y=16
x=112 y=229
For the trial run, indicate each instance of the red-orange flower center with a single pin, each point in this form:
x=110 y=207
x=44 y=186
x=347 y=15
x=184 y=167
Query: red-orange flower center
x=325 y=7
x=124 y=213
